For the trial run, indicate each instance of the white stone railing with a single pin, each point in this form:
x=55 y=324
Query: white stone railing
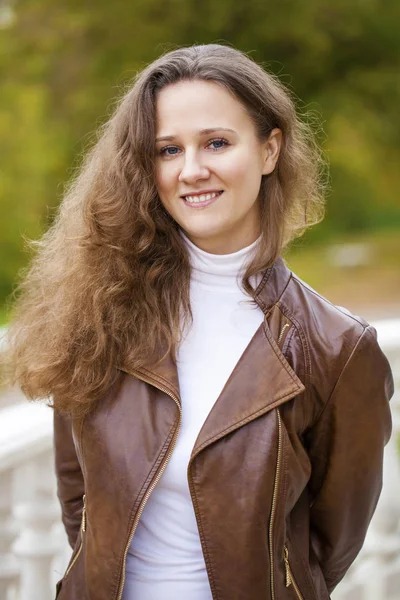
x=33 y=548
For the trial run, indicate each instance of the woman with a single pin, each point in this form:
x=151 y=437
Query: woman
x=219 y=426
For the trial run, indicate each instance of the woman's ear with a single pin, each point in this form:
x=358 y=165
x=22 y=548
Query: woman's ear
x=272 y=148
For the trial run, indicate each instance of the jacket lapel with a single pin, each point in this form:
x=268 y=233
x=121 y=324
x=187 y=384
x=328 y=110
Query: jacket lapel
x=261 y=380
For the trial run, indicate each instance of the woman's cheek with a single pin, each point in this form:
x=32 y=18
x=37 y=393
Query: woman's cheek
x=164 y=179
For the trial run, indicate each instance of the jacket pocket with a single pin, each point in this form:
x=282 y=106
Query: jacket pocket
x=82 y=530
x=289 y=577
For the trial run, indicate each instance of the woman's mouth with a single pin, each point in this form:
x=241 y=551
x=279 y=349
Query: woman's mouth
x=201 y=200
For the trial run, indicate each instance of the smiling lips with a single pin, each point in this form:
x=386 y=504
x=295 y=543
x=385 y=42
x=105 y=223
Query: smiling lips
x=201 y=198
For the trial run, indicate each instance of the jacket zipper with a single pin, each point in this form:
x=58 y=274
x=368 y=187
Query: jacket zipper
x=274 y=502
x=168 y=456
x=160 y=471
x=283 y=333
x=83 y=529
x=289 y=575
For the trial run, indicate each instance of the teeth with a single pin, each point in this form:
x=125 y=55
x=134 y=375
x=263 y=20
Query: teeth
x=202 y=198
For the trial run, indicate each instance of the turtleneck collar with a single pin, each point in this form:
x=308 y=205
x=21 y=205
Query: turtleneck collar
x=221 y=272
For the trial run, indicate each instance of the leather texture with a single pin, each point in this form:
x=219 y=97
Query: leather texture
x=287 y=464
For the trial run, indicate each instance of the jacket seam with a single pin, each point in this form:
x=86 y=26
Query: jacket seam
x=312 y=291
x=338 y=381
x=81 y=445
x=159 y=378
x=79 y=501
x=75 y=551
x=278 y=355
x=257 y=294
x=260 y=287
x=303 y=338
x=244 y=421
x=331 y=577
x=288 y=340
x=298 y=329
x=306 y=567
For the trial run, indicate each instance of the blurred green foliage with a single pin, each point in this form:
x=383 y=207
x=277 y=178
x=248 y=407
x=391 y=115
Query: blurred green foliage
x=62 y=64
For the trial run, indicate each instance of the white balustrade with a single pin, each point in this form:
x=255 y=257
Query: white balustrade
x=33 y=548
x=8 y=562
x=32 y=544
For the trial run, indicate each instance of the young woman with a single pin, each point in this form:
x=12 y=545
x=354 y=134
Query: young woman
x=219 y=426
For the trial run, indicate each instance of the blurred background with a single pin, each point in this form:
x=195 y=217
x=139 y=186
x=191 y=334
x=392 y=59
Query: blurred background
x=62 y=65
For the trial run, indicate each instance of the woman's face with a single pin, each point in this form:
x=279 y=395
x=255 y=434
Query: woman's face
x=209 y=164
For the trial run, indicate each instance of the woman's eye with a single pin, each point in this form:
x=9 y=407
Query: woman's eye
x=167 y=149
x=219 y=143
x=215 y=145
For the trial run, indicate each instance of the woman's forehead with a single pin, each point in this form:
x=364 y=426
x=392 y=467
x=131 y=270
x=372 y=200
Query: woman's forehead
x=197 y=106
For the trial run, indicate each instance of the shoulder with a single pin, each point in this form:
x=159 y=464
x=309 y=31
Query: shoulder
x=313 y=310
x=324 y=338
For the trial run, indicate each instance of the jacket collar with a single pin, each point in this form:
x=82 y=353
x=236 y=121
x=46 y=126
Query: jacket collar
x=260 y=381
x=272 y=285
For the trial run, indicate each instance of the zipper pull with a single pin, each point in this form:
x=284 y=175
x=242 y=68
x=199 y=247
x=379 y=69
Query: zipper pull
x=84 y=513
x=281 y=334
x=288 y=581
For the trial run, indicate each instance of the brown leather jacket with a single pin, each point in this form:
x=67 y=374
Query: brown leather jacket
x=284 y=475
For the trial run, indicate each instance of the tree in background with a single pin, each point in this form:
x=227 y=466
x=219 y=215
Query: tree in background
x=62 y=64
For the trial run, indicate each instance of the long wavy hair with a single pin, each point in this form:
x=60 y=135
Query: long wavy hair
x=109 y=282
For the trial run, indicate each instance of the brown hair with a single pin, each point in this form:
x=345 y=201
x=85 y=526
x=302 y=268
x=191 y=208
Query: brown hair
x=110 y=279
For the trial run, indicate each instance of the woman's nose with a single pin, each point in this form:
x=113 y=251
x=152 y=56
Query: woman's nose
x=193 y=169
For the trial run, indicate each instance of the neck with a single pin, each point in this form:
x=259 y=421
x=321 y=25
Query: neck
x=220 y=271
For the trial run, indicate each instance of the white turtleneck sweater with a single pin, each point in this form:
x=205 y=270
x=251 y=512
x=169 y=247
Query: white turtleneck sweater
x=165 y=559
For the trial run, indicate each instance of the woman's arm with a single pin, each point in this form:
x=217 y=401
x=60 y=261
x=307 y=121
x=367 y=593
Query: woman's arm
x=346 y=451
x=70 y=482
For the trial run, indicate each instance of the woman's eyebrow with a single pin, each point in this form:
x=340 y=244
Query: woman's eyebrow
x=169 y=138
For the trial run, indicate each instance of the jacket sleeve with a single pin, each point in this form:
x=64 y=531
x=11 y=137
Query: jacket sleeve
x=70 y=481
x=346 y=450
